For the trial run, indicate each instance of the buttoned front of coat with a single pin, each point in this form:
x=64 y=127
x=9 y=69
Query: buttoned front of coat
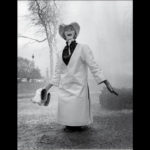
x=74 y=104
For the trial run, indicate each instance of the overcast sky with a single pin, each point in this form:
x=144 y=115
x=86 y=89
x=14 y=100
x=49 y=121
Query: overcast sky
x=105 y=26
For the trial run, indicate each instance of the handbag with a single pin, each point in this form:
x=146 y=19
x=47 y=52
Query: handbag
x=42 y=97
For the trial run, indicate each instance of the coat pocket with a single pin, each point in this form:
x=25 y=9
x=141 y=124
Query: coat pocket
x=71 y=84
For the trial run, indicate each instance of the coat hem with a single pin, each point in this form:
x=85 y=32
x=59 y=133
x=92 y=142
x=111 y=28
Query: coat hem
x=74 y=123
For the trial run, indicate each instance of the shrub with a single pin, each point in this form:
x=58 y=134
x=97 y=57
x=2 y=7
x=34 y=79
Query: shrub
x=113 y=102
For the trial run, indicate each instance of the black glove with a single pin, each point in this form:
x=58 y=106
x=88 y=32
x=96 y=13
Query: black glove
x=48 y=100
x=43 y=94
x=110 y=88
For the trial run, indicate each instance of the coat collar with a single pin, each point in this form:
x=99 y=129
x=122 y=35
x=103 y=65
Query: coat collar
x=72 y=59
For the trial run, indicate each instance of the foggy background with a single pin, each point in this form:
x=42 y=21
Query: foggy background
x=106 y=26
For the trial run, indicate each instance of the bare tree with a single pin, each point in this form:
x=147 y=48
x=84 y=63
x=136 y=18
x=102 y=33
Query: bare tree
x=45 y=15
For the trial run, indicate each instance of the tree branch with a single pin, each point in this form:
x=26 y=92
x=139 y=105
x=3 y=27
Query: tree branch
x=22 y=36
x=55 y=3
x=40 y=14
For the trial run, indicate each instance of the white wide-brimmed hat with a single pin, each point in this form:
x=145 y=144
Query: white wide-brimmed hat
x=37 y=98
x=62 y=27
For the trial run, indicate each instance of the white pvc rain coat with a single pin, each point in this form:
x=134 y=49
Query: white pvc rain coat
x=74 y=106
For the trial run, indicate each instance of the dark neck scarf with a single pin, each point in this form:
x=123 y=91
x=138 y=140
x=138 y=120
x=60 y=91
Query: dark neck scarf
x=66 y=55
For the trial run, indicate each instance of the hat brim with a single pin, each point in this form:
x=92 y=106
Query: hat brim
x=62 y=27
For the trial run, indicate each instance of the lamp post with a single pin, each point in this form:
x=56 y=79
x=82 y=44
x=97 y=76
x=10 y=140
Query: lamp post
x=32 y=63
x=33 y=57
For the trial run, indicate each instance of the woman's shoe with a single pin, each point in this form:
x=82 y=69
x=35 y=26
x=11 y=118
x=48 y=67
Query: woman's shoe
x=75 y=128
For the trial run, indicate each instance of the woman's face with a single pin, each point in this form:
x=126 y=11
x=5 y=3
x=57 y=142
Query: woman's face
x=69 y=33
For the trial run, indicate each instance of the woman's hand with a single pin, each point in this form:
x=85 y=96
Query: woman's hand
x=110 y=88
x=45 y=90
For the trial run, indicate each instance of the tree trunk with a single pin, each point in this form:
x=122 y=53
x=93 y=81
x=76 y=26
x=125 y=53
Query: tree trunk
x=51 y=62
x=51 y=58
x=50 y=51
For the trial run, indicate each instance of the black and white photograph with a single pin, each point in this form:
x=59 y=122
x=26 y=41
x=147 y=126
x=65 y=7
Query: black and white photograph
x=74 y=74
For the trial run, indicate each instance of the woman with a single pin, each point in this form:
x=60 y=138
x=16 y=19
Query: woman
x=71 y=76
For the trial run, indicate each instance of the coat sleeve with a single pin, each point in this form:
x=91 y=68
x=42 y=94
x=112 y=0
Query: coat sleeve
x=95 y=69
x=56 y=77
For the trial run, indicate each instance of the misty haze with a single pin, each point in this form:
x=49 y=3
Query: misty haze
x=106 y=26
